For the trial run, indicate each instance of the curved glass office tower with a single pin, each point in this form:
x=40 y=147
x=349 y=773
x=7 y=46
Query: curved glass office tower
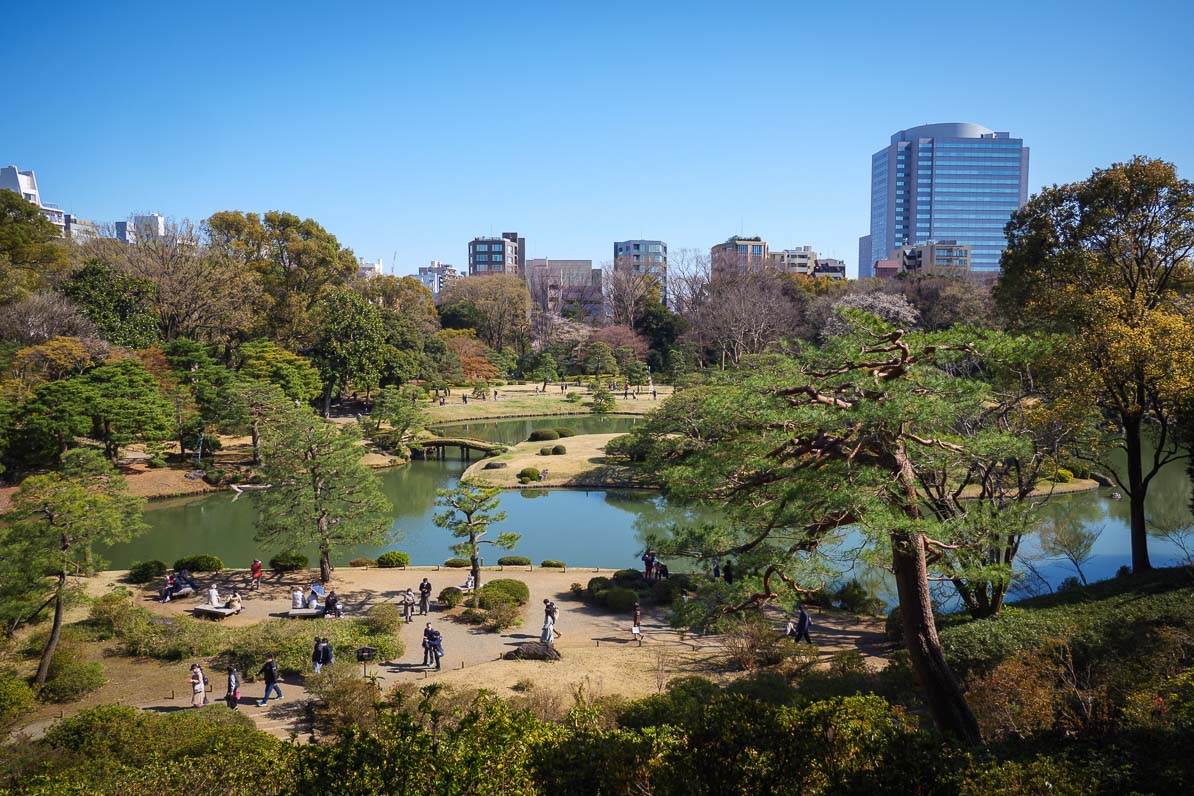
x=954 y=181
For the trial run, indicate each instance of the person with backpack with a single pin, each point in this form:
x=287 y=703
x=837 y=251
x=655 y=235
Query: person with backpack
x=233 y=695
x=198 y=686
x=551 y=612
x=269 y=673
x=326 y=656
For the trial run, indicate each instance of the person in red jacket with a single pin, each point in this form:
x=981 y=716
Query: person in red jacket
x=255 y=574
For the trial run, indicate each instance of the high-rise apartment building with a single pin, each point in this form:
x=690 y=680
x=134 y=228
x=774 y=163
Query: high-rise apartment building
x=935 y=256
x=955 y=181
x=25 y=184
x=368 y=270
x=739 y=255
x=504 y=255
x=141 y=226
x=559 y=285
x=801 y=260
x=80 y=229
x=643 y=257
x=437 y=276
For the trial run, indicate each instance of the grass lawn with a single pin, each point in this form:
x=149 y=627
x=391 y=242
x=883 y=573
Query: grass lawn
x=584 y=465
x=523 y=400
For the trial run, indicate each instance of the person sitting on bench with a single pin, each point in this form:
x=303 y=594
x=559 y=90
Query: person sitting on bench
x=168 y=590
x=313 y=600
x=332 y=606
x=469 y=582
x=234 y=602
x=213 y=596
x=296 y=599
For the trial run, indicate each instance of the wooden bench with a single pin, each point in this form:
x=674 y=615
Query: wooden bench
x=214 y=611
x=305 y=613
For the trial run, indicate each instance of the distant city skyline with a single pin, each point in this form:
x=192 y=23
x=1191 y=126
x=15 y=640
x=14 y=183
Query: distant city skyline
x=429 y=135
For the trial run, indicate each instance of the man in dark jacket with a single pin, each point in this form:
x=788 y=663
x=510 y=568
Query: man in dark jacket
x=424 y=597
x=803 y=623
x=270 y=673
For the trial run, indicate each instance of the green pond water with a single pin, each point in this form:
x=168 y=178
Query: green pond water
x=599 y=528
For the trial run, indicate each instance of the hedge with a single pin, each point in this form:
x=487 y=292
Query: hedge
x=70 y=677
x=546 y=451
x=558 y=450
x=199 y=563
x=528 y=474
x=515 y=589
x=551 y=563
x=619 y=599
x=16 y=697
x=514 y=561
x=393 y=558
x=458 y=563
x=451 y=597
x=565 y=432
x=597 y=585
x=543 y=435
x=289 y=561
x=362 y=562
x=145 y=571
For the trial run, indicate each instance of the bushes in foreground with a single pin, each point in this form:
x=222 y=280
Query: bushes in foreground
x=392 y=559
x=199 y=563
x=145 y=571
x=71 y=677
x=290 y=561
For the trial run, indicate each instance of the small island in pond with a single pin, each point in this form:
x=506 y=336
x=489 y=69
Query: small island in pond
x=583 y=464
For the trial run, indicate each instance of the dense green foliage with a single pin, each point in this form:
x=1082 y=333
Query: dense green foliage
x=145 y=571
x=514 y=561
x=289 y=561
x=202 y=562
x=393 y=558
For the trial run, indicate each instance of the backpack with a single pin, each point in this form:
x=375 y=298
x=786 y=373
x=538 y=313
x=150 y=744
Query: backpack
x=205 y=681
x=553 y=611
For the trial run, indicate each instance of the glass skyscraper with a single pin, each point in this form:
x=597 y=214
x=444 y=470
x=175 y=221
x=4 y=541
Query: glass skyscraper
x=954 y=181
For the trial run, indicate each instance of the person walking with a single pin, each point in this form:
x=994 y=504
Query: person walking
x=269 y=673
x=427 y=631
x=233 y=695
x=424 y=597
x=548 y=634
x=255 y=574
x=437 y=647
x=803 y=623
x=317 y=655
x=637 y=628
x=407 y=600
x=551 y=612
x=198 y=686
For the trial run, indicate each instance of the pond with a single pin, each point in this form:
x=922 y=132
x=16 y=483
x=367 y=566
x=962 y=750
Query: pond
x=598 y=528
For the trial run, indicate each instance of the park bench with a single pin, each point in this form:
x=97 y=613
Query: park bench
x=305 y=613
x=214 y=611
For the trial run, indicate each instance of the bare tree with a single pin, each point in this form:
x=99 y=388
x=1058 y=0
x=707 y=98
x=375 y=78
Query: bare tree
x=744 y=314
x=688 y=275
x=627 y=294
x=1071 y=540
x=40 y=316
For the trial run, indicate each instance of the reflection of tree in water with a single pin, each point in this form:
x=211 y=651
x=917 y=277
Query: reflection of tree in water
x=531 y=494
x=1168 y=493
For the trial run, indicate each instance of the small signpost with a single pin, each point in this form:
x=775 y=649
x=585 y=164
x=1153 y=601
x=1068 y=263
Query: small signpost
x=364 y=655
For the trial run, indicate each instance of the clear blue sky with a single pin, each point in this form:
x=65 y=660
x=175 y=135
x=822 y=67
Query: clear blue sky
x=412 y=127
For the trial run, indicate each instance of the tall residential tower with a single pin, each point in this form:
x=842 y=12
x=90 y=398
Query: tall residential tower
x=955 y=181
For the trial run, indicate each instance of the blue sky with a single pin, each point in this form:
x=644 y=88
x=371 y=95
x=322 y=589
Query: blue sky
x=412 y=127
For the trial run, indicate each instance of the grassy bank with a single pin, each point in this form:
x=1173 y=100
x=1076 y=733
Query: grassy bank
x=524 y=400
x=583 y=465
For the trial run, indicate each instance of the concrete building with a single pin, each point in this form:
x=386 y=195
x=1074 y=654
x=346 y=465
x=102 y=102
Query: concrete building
x=561 y=286
x=940 y=257
x=955 y=181
x=739 y=255
x=80 y=229
x=829 y=268
x=504 y=255
x=800 y=260
x=437 y=276
x=141 y=226
x=25 y=184
x=643 y=257
x=368 y=270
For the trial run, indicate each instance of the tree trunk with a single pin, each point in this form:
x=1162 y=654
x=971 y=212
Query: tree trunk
x=256 y=431
x=325 y=565
x=943 y=693
x=476 y=570
x=47 y=653
x=1137 y=491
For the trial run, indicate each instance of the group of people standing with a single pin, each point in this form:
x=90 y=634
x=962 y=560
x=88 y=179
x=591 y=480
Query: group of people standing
x=653 y=568
x=322 y=654
x=551 y=614
x=433 y=646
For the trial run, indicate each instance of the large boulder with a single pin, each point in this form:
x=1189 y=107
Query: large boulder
x=533 y=651
x=495 y=465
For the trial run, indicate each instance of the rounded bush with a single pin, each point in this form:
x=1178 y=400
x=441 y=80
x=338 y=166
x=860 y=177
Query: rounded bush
x=529 y=473
x=551 y=563
x=458 y=563
x=384 y=618
x=199 y=563
x=666 y=591
x=516 y=589
x=558 y=450
x=489 y=599
x=514 y=561
x=565 y=432
x=70 y=677
x=393 y=558
x=145 y=571
x=543 y=435
x=629 y=577
x=545 y=451
x=290 y=561
x=15 y=698
x=1063 y=476
x=451 y=597
x=362 y=562
x=597 y=585
x=619 y=599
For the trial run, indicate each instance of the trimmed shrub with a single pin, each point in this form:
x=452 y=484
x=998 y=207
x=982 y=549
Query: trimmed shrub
x=514 y=561
x=70 y=677
x=598 y=585
x=199 y=563
x=384 y=618
x=1063 y=476
x=565 y=432
x=289 y=561
x=502 y=616
x=458 y=563
x=543 y=435
x=362 y=562
x=558 y=450
x=515 y=589
x=392 y=559
x=551 y=563
x=619 y=599
x=451 y=597
x=574 y=398
x=855 y=598
x=145 y=571
x=545 y=451
x=15 y=698
x=528 y=474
